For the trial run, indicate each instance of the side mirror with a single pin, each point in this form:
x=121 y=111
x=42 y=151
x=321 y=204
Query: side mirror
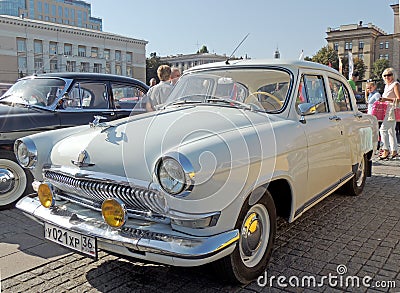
x=306 y=109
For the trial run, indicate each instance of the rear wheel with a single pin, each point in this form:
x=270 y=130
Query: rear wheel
x=356 y=184
x=14 y=180
x=257 y=226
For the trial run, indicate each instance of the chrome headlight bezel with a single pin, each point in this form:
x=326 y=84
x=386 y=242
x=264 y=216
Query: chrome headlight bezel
x=26 y=152
x=166 y=169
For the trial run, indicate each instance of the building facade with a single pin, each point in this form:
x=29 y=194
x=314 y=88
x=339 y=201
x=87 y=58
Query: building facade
x=68 y=12
x=185 y=61
x=34 y=46
x=367 y=42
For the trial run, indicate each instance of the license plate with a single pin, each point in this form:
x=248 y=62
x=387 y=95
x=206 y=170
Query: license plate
x=75 y=241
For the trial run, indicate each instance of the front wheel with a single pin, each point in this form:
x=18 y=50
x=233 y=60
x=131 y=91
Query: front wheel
x=257 y=226
x=14 y=180
x=356 y=184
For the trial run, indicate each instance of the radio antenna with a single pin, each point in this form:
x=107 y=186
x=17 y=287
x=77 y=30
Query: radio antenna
x=227 y=60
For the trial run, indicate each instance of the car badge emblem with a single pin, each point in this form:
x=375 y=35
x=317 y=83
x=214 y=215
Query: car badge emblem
x=81 y=160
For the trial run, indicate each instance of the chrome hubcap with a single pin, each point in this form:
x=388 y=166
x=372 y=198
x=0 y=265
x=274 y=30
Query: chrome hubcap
x=7 y=181
x=254 y=235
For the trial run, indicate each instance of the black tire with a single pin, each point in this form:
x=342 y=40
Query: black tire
x=251 y=255
x=355 y=185
x=15 y=181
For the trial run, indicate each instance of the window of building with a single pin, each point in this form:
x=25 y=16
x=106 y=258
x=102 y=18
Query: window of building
x=53 y=65
x=107 y=54
x=118 y=69
x=81 y=51
x=39 y=7
x=68 y=49
x=40 y=17
x=84 y=66
x=21 y=45
x=22 y=62
x=361 y=56
x=94 y=52
x=381 y=45
x=380 y=56
x=53 y=10
x=348 y=46
x=60 y=11
x=117 y=55
x=336 y=46
x=108 y=67
x=129 y=71
x=71 y=66
x=46 y=8
x=387 y=56
x=46 y=18
x=97 y=67
x=129 y=57
x=38 y=47
x=361 y=45
x=386 y=45
x=66 y=12
x=79 y=18
x=52 y=48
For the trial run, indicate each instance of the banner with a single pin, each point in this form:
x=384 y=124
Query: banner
x=351 y=65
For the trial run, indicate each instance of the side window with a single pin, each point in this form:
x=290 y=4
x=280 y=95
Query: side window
x=312 y=90
x=340 y=96
x=87 y=95
x=126 y=96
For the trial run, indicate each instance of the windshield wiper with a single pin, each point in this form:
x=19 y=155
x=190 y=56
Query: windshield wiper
x=236 y=103
x=187 y=100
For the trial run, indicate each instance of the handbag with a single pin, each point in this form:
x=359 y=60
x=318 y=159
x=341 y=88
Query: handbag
x=379 y=110
x=394 y=112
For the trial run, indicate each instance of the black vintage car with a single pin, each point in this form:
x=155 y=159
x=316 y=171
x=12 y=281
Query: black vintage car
x=52 y=101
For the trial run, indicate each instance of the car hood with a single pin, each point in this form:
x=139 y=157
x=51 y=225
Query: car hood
x=131 y=147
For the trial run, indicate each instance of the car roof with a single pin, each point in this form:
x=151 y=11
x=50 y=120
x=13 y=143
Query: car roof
x=265 y=62
x=86 y=75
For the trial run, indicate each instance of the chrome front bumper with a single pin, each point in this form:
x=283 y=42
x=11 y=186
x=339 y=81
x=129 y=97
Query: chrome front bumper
x=155 y=242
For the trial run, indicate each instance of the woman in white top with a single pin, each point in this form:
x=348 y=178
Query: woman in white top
x=388 y=127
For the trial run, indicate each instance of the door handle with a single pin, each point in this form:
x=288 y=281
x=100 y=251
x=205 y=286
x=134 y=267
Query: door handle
x=336 y=118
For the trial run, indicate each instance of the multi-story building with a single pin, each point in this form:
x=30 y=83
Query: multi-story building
x=367 y=42
x=34 y=46
x=69 y=12
x=185 y=61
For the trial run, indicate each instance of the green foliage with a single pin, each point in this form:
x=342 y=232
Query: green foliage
x=376 y=72
x=325 y=56
x=203 y=50
x=152 y=65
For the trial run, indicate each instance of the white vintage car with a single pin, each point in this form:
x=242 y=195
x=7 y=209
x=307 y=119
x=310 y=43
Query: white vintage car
x=204 y=178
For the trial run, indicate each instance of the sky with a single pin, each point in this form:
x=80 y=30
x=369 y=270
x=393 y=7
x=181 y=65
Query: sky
x=184 y=26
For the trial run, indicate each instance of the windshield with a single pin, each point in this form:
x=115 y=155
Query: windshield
x=263 y=89
x=36 y=92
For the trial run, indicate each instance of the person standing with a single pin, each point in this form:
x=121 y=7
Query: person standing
x=159 y=93
x=175 y=74
x=371 y=95
x=387 y=129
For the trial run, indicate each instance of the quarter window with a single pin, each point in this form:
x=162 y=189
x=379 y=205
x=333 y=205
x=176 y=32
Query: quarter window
x=127 y=97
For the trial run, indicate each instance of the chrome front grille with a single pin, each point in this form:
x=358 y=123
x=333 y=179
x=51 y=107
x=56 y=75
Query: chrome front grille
x=138 y=200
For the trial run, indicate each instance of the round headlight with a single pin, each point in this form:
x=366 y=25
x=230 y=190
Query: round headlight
x=171 y=176
x=45 y=193
x=114 y=212
x=26 y=153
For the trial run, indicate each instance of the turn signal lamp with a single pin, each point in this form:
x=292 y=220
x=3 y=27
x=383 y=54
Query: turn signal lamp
x=114 y=212
x=45 y=194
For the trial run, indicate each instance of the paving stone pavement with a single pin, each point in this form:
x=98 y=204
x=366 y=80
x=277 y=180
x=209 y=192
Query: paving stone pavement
x=347 y=238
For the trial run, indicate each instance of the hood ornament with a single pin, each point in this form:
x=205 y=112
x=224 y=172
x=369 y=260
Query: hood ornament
x=81 y=160
x=96 y=121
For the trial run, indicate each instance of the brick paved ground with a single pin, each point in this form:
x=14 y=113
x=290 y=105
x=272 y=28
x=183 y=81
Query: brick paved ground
x=361 y=233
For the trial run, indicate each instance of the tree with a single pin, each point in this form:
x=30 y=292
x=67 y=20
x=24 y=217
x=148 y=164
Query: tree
x=376 y=73
x=327 y=55
x=203 y=50
x=152 y=65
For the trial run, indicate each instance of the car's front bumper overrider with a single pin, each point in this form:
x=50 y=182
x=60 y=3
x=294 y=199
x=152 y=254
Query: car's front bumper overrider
x=140 y=239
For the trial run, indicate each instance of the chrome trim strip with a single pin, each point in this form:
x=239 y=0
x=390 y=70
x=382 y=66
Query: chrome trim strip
x=158 y=239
